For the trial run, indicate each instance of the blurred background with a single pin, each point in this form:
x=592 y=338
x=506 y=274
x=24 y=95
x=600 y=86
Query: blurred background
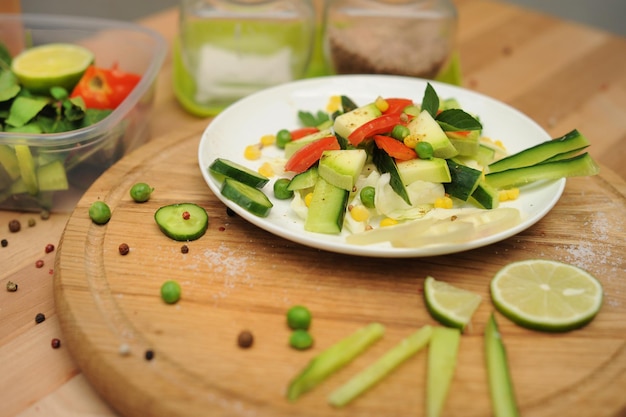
x=605 y=14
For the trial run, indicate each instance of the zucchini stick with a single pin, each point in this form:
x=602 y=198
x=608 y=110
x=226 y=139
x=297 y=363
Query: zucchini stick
x=334 y=358
x=377 y=371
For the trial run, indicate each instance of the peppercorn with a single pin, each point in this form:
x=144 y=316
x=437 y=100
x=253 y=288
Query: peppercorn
x=4 y=243
x=14 y=226
x=55 y=343
x=184 y=249
x=186 y=215
x=49 y=248
x=221 y=228
x=44 y=215
x=149 y=355
x=39 y=263
x=40 y=318
x=230 y=212
x=32 y=222
x=124 y=249
x=245 y=339
x=11 y=286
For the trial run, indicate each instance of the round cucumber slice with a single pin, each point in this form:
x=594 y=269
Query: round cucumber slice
x=182 y=222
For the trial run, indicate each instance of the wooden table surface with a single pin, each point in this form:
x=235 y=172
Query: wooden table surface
x=561 y=74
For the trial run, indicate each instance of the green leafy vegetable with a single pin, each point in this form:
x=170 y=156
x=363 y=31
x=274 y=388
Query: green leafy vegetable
x=430 y=101
x=456 y=119
x=310 y=119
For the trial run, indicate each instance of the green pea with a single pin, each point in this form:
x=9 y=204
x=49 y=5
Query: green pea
x=368 y=196
x=281 y=190
x=299 y=317
x=99 y=212
x=300 y=339
x=170 y=291
x=424 y=150
x=140 y=192
x=400 y=132
x=283 y=137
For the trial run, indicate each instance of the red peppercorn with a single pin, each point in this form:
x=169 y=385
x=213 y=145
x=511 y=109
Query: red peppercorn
x=14 y=226
x=186 y=215
x=222 y=228
x=124 y=249
x=49 y=248
x=184 y=249
x=55 y=343
x=39 y=263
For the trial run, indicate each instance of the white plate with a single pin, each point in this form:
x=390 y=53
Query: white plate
x=276 y=108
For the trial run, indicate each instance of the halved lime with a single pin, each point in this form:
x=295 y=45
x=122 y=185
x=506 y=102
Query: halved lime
x=546 y=295
x=448 y=304
x=53 y=65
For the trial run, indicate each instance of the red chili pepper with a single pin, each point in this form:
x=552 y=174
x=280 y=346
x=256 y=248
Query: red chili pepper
x=377 y=126
x=103 y=88
x=397 y=105
x=302 y=132
x=395 y=148
x=305 y=157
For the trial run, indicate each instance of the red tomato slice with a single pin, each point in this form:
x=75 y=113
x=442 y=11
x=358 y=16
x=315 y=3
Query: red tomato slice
x=397 y=105
x=302 y=132
x=395 y=148
x=377 y=126
x=305 y=157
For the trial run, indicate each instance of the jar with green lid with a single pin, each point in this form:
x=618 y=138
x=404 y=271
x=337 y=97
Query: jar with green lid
x=397 y=37
x=228 y=49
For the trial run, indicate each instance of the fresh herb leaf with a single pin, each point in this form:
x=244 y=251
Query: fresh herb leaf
x=24 y=109
x=456 y=119
x=59 y=93
x=5 y=57
x=9 y=87
x=430 y=101
x=347 y=104
x=314 y=120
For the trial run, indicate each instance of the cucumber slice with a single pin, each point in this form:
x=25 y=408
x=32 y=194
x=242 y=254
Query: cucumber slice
x=223 y=168
x=327 y=208
x=579 y=166
x=486 y=196
x=442 y=359
x=304 y=180
x=52 y=177
x=571 y=141
x=464 y=180
x=9 y=161
x=250 y=198
x=27 y=168
x=500 y=384
x=182 y=222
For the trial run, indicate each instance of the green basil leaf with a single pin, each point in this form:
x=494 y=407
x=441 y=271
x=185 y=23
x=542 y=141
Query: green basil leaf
x=430 y=101
x=59 y=93
x=24 y=109
x=93 y=116
x=452 y=120
x=9 y=87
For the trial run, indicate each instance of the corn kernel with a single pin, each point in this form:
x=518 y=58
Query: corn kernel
x=308 y=198
x=411 y=141
x=267 y=140
x=252 y=152
x=388 y=221
x=359 y=213
x=381 y=104
x=334 y=103
x=508 y=195
x=266 y=169
x=444 y=202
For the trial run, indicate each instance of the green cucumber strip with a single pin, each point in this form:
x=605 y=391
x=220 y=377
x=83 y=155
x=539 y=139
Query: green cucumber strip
x=385 y=164
x=175 y=224
x=327 y=208
x=442 y=357
x=334 y=358
x=378 y=370
x=304 y=180
x=223 y=168
x=498 y=374
x=571 y=141
x=250 y=198
x=27 y=168
x=464 y=180
x=579 y=166
x=52 y=177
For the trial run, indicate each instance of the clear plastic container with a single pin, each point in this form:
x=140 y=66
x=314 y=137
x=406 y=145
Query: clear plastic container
x=398 y=37
x=227 y=49
x=85 y=153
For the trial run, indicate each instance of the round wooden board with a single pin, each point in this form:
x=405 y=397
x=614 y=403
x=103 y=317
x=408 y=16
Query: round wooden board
x=239 y=277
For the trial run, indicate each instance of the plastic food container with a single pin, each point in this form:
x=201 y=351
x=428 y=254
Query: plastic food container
x=85 y=153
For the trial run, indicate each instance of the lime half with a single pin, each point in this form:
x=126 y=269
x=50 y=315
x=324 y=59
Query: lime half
x=450 y=305
x=546 y=295
x=53 y=65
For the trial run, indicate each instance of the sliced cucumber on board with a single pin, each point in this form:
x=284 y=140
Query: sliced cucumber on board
x=182 y=222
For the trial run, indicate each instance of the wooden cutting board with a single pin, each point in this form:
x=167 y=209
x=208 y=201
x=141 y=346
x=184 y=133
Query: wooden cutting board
x=240 y=277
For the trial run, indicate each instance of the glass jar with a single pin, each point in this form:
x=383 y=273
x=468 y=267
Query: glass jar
x=398 y=37
x=227 y=49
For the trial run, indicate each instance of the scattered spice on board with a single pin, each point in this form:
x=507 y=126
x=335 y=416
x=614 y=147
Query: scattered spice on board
x=11 y=286
x=184 y=249
x=32 y=222
x=124 y=249
x=39 y=263
x=4 y=243
x=40 y=318
x=14 y=226
x=149 y=355
x=245 y=339
x=49 y=248
x=55 y=343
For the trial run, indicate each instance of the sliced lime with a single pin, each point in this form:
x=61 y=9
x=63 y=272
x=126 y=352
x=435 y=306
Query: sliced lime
x=546 y=295
x=53 y=65
x=450 y=305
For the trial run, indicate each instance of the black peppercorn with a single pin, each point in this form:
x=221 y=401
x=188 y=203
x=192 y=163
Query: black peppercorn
x=245 y=339
x=4 y=243
x=40 y=318
x=230 y=212
x=184 y=249
x=149 y=355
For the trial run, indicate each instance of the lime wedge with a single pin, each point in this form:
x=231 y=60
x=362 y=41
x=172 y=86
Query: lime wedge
x=53 y=65
x=450 y=305
x=546 y=295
